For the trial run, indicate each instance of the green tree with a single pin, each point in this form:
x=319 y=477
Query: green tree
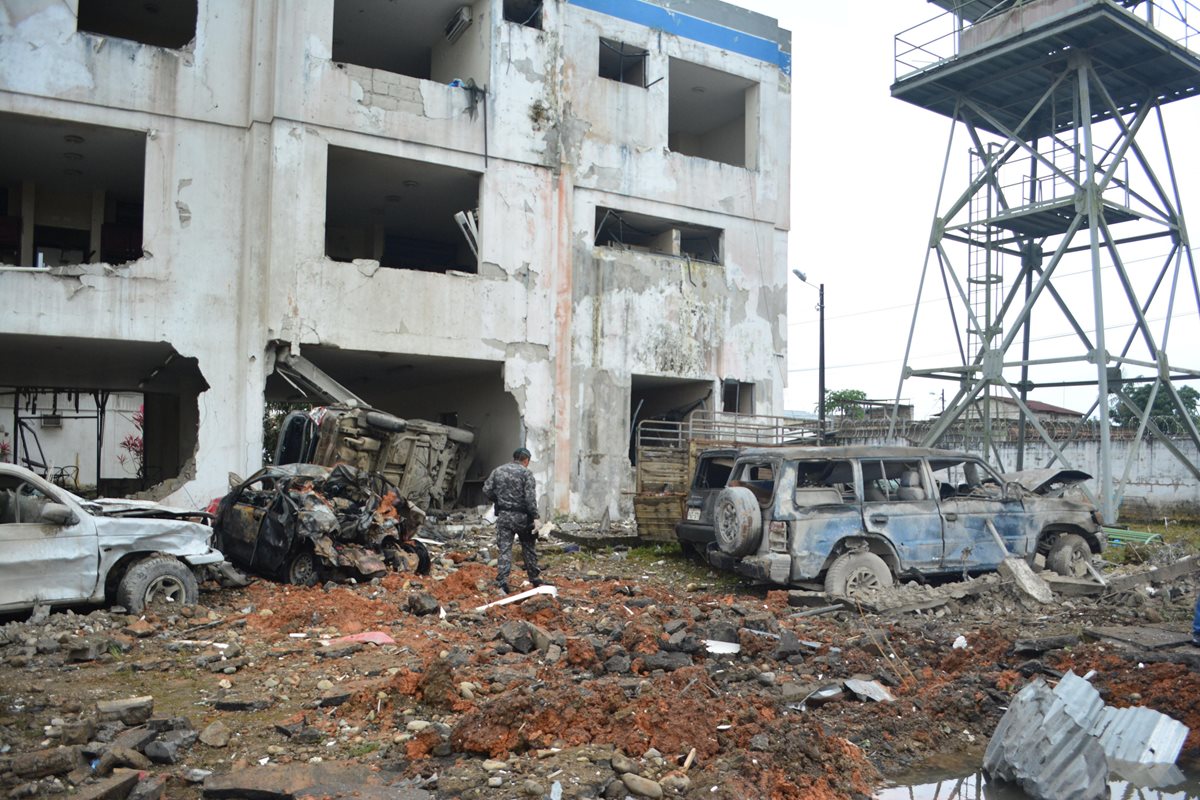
x=846 y=402
x=1164 y=412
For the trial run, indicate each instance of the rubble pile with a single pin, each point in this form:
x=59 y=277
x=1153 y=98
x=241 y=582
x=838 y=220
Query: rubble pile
x=633 y=680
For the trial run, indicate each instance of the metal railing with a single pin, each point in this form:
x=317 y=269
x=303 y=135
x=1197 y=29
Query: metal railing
x=934 y=41
x=725 y=427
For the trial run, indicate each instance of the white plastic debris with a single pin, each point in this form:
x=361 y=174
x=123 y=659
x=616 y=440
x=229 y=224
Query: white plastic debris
x=960 y=643
x=723 y=648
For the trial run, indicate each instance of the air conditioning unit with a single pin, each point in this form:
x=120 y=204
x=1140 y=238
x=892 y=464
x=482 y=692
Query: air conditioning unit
x=459 y=22
x=51 y=421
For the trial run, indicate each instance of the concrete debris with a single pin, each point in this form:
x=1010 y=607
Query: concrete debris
x=1023 y=577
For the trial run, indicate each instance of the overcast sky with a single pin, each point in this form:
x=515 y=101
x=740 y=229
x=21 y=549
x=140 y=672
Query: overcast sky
x=865 y=176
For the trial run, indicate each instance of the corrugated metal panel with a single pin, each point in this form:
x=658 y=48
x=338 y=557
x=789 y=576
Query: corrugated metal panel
x=1135 y=735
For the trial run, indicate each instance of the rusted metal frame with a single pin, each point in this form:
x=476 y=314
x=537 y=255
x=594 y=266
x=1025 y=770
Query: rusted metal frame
x=1037 y=426
x=935 y=234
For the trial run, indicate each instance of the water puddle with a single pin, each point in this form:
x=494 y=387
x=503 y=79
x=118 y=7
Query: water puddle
x=968 y=784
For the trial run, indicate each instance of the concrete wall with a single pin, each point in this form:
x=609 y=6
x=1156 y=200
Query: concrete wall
x=238 y=126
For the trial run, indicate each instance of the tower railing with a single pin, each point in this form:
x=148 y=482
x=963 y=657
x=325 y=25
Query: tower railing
x=945 y=36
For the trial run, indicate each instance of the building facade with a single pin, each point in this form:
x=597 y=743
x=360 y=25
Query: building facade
x=539 y=221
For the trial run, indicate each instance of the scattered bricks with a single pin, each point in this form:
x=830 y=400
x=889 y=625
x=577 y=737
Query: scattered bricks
x=422 y=604
x=131 y=711
x=115 y=788
x=40 y=763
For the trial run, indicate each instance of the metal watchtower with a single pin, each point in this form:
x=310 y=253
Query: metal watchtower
x=1061 y=104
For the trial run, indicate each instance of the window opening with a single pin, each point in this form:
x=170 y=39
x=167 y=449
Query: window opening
x=759 y=478
x=711 y=114
x=161 y=23
x=524 y=12
x=893 y=481
x=824 y=483
x=623 y=62
x=404 y=214
x=423 y=39
x=641 y=232
x=737 y=397
x=72 y=193
x=713 y=473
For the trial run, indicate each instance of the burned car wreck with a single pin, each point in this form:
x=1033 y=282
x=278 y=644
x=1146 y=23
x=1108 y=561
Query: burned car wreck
x=850 y=519
x=303 y=523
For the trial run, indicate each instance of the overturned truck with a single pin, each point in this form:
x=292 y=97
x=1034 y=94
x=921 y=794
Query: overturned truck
x=426 y=461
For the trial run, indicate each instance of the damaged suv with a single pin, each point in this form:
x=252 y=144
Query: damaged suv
x=851 y=518
x=59 y=549
x=302 y=523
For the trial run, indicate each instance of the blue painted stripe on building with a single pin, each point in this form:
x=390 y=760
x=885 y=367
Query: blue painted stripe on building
x=694 y=28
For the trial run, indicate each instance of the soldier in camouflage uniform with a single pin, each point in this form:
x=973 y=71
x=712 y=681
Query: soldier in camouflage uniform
x=511 y=488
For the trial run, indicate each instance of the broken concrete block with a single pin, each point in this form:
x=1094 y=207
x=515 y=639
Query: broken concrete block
x=517 y=635
x=131 y=710
x=215 y=735
x=422 y=604
x=1026 y=580
x=869 y=690
x=667 y=661
x=152 y=787
x=115 y=788
x=122 y=757
x=40 y=763
x=642 y=787
x=78 y=731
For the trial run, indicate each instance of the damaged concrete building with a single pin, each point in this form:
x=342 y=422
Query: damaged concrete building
x=535 y=220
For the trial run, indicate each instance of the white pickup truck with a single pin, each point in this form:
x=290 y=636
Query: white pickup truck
x=58 y=549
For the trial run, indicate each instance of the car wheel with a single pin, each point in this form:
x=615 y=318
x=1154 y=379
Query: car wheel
x=159 y=582
x=1069 y=556
x=400 y=557
x=858 y=574
x=303 y=570
x=738 y=521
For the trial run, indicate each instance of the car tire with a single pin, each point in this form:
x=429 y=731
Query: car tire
x=857 y=574
x=303 y=569
x=737 y=520
x=1069 y=556
x=157 y=582
x=393 y=556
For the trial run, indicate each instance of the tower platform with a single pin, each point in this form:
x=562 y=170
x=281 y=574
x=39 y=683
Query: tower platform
x=1006 y=62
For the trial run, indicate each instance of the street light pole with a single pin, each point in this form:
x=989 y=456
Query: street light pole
x=820 y=352
x=821 y=362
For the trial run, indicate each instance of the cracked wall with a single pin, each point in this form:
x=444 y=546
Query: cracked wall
x=238 y=125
